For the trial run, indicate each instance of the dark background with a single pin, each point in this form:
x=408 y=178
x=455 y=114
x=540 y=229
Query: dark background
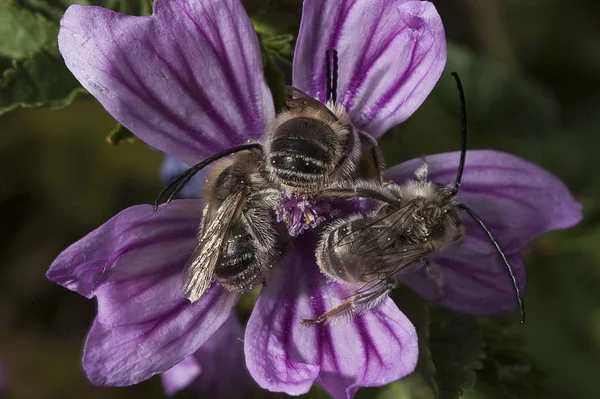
x=531 y=70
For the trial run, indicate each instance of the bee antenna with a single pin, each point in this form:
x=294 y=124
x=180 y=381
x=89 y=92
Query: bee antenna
x=334 y=78
x=463 y=136
x=181 y=180
x=511 y=272
x=328 y=74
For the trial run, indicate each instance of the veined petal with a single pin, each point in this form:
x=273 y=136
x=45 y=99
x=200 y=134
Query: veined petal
x=188 y=80
x=137 y=240
x=145 y=326
x=182 y=374
x=391 y=54
x=516 y=199
x=474 y=284
x=373 y=349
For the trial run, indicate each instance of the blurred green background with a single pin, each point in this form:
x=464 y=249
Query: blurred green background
x=531 y=70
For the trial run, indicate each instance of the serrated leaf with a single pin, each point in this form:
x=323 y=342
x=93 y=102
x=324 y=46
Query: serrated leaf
x=23 y=32
x=507 y=365
x=119 y=135
x=42 y=80
x=457 y=349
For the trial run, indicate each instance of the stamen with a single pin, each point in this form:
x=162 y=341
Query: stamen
x=301 y=212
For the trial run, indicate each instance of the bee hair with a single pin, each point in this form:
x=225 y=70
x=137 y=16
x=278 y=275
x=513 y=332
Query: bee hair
x=177 y=184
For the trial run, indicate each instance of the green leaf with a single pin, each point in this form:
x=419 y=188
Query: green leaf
x=507 y=365
x=43 y=7
x=457 y=348
x=119 y=135
x=42 y=80
x=276 y=50
x=23 y=33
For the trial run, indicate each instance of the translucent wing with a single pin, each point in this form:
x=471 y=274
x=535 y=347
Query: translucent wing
x=370 y=235
x=199 y=269
x=296 y=99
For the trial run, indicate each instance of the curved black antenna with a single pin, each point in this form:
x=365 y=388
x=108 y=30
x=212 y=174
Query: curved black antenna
x=180 y=181
x=463 y=137
x=328 y=74
x=334 y=77
x=511 y=272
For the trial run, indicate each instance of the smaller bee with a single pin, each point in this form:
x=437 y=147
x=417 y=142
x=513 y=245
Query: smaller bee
x=240 y=240
x=413 y=221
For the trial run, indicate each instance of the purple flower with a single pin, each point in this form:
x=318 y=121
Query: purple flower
x=189 y=81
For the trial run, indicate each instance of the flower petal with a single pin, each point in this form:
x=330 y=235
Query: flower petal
x=283 y=355
x=171 y=168
x=182 y=374
x=224 y=373
x=139 y=239
x=217 y=368
x=516 y=199
x=187 y=80
x=391 y=54
x=145 y=326
x=474 y=284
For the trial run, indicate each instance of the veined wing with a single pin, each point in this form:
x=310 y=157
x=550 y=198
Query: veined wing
x=200 y=268
x=372 y=236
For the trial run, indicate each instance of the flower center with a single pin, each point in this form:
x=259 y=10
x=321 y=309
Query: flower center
x=301 y=212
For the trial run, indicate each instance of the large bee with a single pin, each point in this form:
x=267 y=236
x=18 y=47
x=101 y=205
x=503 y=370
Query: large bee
x=310 y=145
x=412 y=222
x=240 y=240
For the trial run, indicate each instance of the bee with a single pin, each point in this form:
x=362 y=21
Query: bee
x=239 y=240
x=411 y=222
x=310 y=145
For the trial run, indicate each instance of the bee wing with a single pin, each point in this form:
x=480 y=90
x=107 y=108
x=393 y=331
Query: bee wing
x=369 y=238
x=296 y=99
x=200 y=267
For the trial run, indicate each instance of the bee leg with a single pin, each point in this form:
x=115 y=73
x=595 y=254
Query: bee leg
x=435 y=275
x=355 y=304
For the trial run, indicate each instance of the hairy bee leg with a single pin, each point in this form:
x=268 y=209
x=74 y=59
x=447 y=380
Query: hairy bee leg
x=349 y=306
x=435 y=275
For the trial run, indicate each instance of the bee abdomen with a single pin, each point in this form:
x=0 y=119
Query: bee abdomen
x=238 y=268
x=336 y=256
